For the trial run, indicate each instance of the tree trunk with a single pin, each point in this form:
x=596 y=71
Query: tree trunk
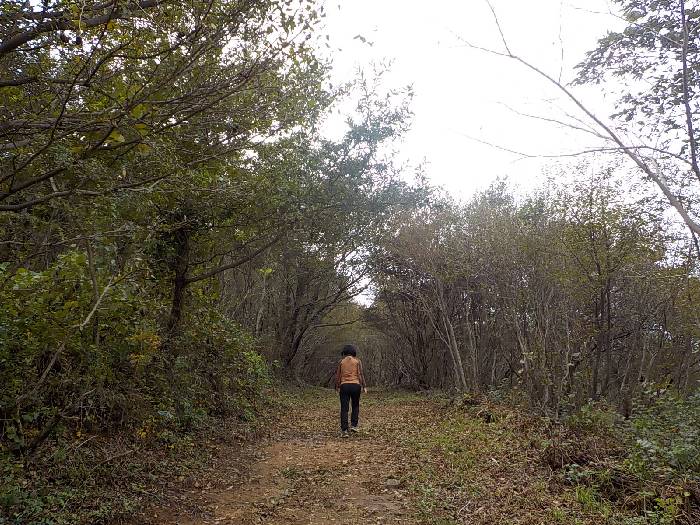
x=182 y=256
x=453 y=348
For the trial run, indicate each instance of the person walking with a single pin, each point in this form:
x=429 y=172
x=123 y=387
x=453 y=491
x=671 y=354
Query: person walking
x=349 y=383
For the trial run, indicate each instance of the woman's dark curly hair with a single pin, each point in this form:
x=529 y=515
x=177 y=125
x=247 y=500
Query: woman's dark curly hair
x=349 y=350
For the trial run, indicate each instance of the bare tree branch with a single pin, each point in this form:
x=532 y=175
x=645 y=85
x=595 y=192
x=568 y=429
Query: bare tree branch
x=237 y=262
x=686 y=95
x=607 y=130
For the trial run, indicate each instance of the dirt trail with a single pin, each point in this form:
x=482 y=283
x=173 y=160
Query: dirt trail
x=418 y=460
x=306 y=474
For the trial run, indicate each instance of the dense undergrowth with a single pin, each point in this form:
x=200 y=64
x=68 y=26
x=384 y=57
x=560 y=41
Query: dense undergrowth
x=482 y=459
x=102 y=401
x=83 y=476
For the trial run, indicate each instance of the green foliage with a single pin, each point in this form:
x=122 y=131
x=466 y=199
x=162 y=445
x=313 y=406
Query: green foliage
x=665 y=436
x=590 y=500
x=593 y=417
x=59 y=349
x=217 y=370
x=665 y=511
x=648 y=48
x=66 y=381
x=651 y=463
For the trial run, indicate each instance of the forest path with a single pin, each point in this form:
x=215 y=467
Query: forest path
x=304 y=473
x=417 y=460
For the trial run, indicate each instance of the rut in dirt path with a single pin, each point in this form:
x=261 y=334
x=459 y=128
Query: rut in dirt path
x=306 y=474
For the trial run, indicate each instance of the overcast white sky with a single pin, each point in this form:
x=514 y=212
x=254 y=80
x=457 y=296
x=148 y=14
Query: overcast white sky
x=460 y=91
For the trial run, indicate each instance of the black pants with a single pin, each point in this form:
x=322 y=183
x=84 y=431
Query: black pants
x=349 y=391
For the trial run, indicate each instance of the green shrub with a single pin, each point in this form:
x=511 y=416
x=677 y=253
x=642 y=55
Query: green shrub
x=218 y=369
x=115 y=369
x=593 y=417
x=57 y=360
x=665 y=437
x=66 y=380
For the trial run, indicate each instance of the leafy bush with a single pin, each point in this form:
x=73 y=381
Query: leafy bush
x=665 y=437
x=61 y=355
x=72 y=372
x=657 y=472
x=59 y=361
x=593 y=417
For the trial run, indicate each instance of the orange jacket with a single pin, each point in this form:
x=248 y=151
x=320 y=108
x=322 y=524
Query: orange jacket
x=349 y=371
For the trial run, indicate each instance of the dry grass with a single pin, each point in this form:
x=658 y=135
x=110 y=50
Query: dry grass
x=464 y=461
